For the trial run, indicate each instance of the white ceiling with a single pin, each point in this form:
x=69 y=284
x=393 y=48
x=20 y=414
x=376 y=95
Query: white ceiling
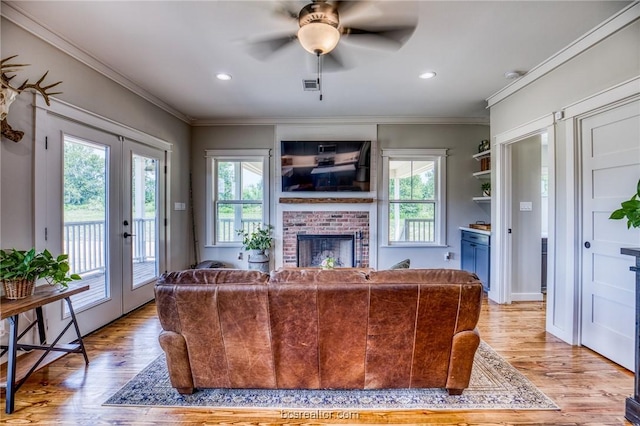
x=173 y=49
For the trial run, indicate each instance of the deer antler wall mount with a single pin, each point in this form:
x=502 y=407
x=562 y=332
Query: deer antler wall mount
x=9 y=93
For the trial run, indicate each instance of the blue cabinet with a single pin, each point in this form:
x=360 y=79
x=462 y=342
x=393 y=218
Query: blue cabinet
x=476 y=255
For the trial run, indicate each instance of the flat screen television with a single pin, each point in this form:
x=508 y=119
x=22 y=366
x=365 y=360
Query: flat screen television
x=325 y=166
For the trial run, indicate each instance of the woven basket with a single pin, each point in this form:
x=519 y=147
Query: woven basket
x=18 y=289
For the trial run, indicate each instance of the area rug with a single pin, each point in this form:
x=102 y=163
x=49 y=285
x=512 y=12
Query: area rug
x=495 y=384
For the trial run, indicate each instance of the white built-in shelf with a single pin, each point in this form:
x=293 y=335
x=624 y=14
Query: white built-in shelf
x=482 y=154
x=482 y=199
x=485 y=174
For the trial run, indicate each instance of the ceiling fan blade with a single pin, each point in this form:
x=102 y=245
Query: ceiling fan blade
x=333 y=61
x=347 y=6
x=391 y=37
x=288 y=10
x=262 y=49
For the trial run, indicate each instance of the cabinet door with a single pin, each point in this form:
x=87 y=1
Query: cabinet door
x=468 y=258
x=482 y=264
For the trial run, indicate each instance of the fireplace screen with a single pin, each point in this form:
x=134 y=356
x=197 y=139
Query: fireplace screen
x=313 y=249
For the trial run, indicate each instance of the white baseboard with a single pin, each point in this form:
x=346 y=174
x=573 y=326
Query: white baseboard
x=527 y=297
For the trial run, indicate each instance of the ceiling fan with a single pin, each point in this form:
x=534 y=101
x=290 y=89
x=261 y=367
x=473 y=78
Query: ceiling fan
x=320 y=31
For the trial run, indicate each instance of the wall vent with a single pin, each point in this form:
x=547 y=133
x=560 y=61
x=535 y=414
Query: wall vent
x=310 y=85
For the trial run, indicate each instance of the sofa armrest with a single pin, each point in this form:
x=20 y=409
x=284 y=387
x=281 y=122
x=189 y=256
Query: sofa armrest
x=463 y=350
x=175 y=349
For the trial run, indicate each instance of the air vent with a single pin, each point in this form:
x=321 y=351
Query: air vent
x=310 y=85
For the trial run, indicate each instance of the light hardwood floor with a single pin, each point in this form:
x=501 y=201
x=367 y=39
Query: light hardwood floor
x=588 y=388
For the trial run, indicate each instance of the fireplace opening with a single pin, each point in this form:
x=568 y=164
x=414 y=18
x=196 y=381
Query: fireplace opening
x=313 y=249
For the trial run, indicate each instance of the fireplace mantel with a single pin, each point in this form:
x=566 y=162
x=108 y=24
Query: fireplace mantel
x=325 y=200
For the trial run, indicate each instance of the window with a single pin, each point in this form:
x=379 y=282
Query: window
x=414 y=184
x=237 y=193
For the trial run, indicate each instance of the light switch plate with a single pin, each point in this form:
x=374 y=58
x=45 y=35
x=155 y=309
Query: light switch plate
x=526 y=206
x=179 y=206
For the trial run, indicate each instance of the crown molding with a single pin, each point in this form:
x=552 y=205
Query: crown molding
x=12 y=12
x=605 y=29
x=231 y=121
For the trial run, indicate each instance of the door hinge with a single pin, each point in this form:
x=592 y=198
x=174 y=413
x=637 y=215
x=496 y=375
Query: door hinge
x=165 y=169
x=46 y=142
x=46 y=234
x=166 y=223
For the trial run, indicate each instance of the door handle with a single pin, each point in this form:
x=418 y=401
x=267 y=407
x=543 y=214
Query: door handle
x=587 y=244
x=127 y=235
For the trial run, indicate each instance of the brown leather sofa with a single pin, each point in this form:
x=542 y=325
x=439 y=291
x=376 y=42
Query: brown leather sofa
x=314 y=329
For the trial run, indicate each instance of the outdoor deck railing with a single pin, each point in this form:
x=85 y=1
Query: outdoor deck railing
x=418 y=230
x=227 y=232
x=84 y=242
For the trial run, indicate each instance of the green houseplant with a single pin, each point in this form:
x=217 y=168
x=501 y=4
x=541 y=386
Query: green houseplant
x=486 y=189
x=256 y=242
x=259 y=239
x=19 y=270
x=630 y=209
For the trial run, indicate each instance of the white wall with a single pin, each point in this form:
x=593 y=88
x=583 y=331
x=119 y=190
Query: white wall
x=87 y=89
x=461 y=140
x=612 y=61
x=462 y=143
x=222 y=137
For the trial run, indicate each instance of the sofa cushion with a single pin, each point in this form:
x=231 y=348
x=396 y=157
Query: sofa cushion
x=335 y=276
x=214 y=276
x=422 y=276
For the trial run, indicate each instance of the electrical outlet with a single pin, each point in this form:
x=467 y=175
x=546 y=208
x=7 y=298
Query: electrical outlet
x=240 y=255
x=447 y=256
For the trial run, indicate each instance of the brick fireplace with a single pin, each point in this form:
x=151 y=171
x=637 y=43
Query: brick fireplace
x=325 y=222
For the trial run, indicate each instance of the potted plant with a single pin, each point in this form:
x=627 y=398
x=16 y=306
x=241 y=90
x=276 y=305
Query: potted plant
x=486 y=189
x=19 y=270
x=257 y=241
x=630 y=209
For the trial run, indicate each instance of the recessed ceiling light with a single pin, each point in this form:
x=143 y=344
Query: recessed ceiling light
x=428 y=74
x=512 y=75
x=223 y=76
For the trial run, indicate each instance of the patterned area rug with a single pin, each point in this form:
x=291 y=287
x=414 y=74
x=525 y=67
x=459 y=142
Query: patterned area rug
x=495 y=384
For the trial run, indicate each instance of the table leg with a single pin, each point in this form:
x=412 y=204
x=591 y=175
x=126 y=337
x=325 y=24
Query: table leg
x=75 y=325
x=41 y=332
x=11 y=363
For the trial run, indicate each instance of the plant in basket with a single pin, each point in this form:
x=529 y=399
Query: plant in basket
x=19 y=270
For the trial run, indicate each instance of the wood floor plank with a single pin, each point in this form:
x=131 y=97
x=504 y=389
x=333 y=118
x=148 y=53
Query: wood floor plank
x=589 y=389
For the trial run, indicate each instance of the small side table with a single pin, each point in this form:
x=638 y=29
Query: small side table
x=14 y=376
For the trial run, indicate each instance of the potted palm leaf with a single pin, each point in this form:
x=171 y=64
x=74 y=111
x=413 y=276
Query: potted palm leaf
x=20 y=269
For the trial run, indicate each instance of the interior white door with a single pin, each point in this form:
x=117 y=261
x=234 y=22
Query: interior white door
x=143 y=223
x=610 y=144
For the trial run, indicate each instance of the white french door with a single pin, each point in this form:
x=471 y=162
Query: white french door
x=105 y=205
x=610 y=144
x=143 y=222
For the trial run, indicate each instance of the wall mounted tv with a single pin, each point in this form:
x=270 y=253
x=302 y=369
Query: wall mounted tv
x=325 y=166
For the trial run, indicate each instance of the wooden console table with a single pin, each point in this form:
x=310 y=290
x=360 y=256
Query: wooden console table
x=13 y=376
x=632 y=404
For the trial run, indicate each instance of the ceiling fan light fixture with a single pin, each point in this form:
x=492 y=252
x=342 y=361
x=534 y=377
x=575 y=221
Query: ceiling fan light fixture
x=318 y=37
x=223 y=76
x=427 y=75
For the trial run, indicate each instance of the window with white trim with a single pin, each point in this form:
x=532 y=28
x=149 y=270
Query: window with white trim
x=414 y=185
x=237 y=193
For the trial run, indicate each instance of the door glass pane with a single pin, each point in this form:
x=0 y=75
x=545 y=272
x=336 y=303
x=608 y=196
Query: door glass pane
x=85 y=207
x=144 y=207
